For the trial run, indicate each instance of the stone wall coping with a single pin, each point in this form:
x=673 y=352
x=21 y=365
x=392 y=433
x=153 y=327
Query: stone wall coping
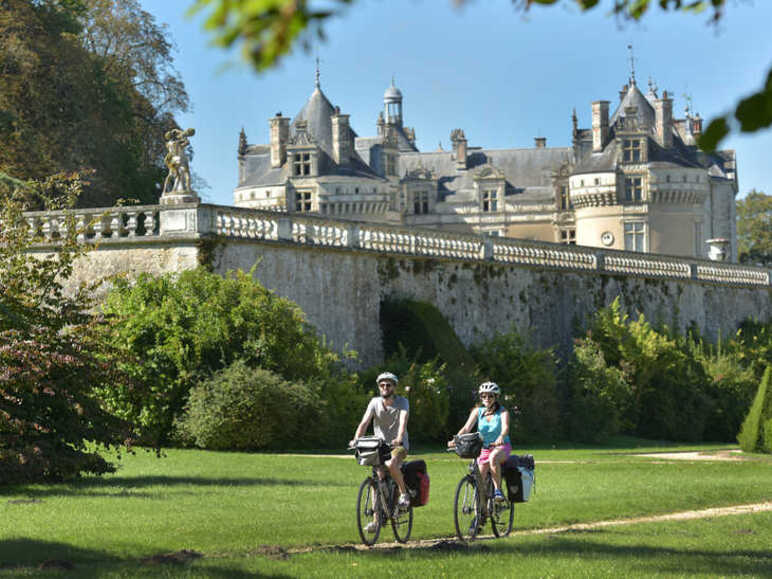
x=193 y=221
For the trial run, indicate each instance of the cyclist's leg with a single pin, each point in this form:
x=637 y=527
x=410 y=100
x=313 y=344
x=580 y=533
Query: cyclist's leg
x=398 y=455
x=498 y=456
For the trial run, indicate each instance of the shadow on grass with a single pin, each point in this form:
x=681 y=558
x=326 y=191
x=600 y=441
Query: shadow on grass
x=21 y=556
x=124 y=487
x=644 y=558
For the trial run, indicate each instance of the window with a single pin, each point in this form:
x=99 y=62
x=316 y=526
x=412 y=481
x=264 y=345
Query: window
x=568 y=236
x=356 y=190
x=303 y=201
x=667 y=178
x=390 y=162
x=631 y=149
x=597 y=181
x=633 y=189
x=634 y=236
x=489 y=201
x=421 y=202
x=302 y=164
x=564 y=201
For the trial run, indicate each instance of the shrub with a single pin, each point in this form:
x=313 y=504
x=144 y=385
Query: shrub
x=668 y=385
x=243 y=408
x=178 y=330
x=756 y=432
x=527 y=378
x=600 y=395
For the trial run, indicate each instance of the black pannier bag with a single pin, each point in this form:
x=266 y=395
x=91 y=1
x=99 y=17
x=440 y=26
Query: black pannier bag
x=371 y=451
x=468 y=445
x=417 y=482
x=518 y=474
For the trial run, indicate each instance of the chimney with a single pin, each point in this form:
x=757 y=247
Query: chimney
x=697 y=125
x=279 y=138
x=599 y=125
x=663 y=110
x=459 y=148
x=540 y=142
x=341 y=141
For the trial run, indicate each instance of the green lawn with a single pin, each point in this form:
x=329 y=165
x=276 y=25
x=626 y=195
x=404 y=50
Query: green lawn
x=227 y=505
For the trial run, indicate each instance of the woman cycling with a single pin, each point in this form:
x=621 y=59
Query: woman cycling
x=493 y=425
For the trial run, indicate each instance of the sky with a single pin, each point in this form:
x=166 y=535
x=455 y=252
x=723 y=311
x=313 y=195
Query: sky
x=501 y=75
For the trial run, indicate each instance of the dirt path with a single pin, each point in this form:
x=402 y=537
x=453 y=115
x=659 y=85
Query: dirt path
x=451 y=543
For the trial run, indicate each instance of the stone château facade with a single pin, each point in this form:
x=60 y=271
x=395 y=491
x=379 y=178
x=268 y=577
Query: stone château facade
x=634 y=181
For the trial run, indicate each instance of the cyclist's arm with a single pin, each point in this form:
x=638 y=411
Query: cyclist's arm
x=469 y=422
x=504 y=427
x=403 y=415
x=362 y=428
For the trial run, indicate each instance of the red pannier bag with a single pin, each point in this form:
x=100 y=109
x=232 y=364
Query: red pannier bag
x=417 y=481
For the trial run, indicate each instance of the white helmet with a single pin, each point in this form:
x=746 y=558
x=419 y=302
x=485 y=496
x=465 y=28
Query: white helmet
x=489 y=388
x=387 y=376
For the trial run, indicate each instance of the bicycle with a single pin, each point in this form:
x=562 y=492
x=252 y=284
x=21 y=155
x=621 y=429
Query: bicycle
x=378 y=498
x=469 y=514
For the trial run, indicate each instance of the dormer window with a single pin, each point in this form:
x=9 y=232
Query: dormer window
x=489 y=200
x=390 y=164
x=301 y=164
x=421 y=203
x=631 y=150
x=564 y=200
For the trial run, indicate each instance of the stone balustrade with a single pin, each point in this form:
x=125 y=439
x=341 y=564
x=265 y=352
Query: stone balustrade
x=96 y=224
x=135 y=224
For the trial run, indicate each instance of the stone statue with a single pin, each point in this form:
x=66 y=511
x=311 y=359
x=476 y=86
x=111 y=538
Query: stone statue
x=176 y=161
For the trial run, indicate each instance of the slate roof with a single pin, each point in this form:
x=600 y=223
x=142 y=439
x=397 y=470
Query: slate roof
x=527 y=172
x=635 y=98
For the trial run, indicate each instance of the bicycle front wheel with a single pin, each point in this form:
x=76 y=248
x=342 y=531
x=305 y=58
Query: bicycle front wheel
x=467 y=513
x=368 y=513
x=401 y=519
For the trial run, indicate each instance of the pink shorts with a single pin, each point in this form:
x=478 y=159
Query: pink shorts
x=485 y=454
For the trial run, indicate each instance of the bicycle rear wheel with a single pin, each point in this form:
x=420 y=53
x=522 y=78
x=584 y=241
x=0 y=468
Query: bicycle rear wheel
x=368 y=512
x=401 y=519
x=467 y=512
x=502 y=515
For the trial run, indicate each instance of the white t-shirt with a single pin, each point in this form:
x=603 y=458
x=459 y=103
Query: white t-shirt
x=386 y=418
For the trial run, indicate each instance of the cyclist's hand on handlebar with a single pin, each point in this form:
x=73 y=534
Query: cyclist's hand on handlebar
x=452 y=443
x=352 y=444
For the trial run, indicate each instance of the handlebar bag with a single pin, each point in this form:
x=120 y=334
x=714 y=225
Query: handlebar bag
x=468 y=445
x=371 y=451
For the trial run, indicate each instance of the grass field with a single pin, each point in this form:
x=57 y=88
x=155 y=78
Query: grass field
x=294 y=516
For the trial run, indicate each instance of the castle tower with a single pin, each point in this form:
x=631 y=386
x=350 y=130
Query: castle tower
x=392 y=105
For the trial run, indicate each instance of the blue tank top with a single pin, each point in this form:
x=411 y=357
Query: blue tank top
x=490 y=429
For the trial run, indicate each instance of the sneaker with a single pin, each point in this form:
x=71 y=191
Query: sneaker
x=370 y=527
x=404 y=501
x=498 y=496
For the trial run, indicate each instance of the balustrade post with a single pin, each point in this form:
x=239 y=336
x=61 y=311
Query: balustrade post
x=353 y=236
x=487 y=249
x=284 y=230
x=600 y=261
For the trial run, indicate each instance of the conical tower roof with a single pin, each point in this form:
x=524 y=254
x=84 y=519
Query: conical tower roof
x=317 y=112
x=635 y=98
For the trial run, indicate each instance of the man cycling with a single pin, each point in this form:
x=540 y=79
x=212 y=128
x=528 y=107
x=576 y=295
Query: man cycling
x=389 y=414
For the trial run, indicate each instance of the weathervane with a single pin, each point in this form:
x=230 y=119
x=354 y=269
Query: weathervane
x=632 y=63
x=317 y=72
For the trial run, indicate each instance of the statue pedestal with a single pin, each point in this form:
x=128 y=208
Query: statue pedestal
x=179 y=198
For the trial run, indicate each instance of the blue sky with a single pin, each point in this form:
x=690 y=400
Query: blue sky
x=502 y=76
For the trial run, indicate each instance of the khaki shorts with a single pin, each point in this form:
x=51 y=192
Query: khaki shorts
x=399 y=452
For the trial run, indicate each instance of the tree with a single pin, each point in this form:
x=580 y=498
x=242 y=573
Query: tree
x=49 y=361
x=754 y=228
x=268 y=29
x=68 y=103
